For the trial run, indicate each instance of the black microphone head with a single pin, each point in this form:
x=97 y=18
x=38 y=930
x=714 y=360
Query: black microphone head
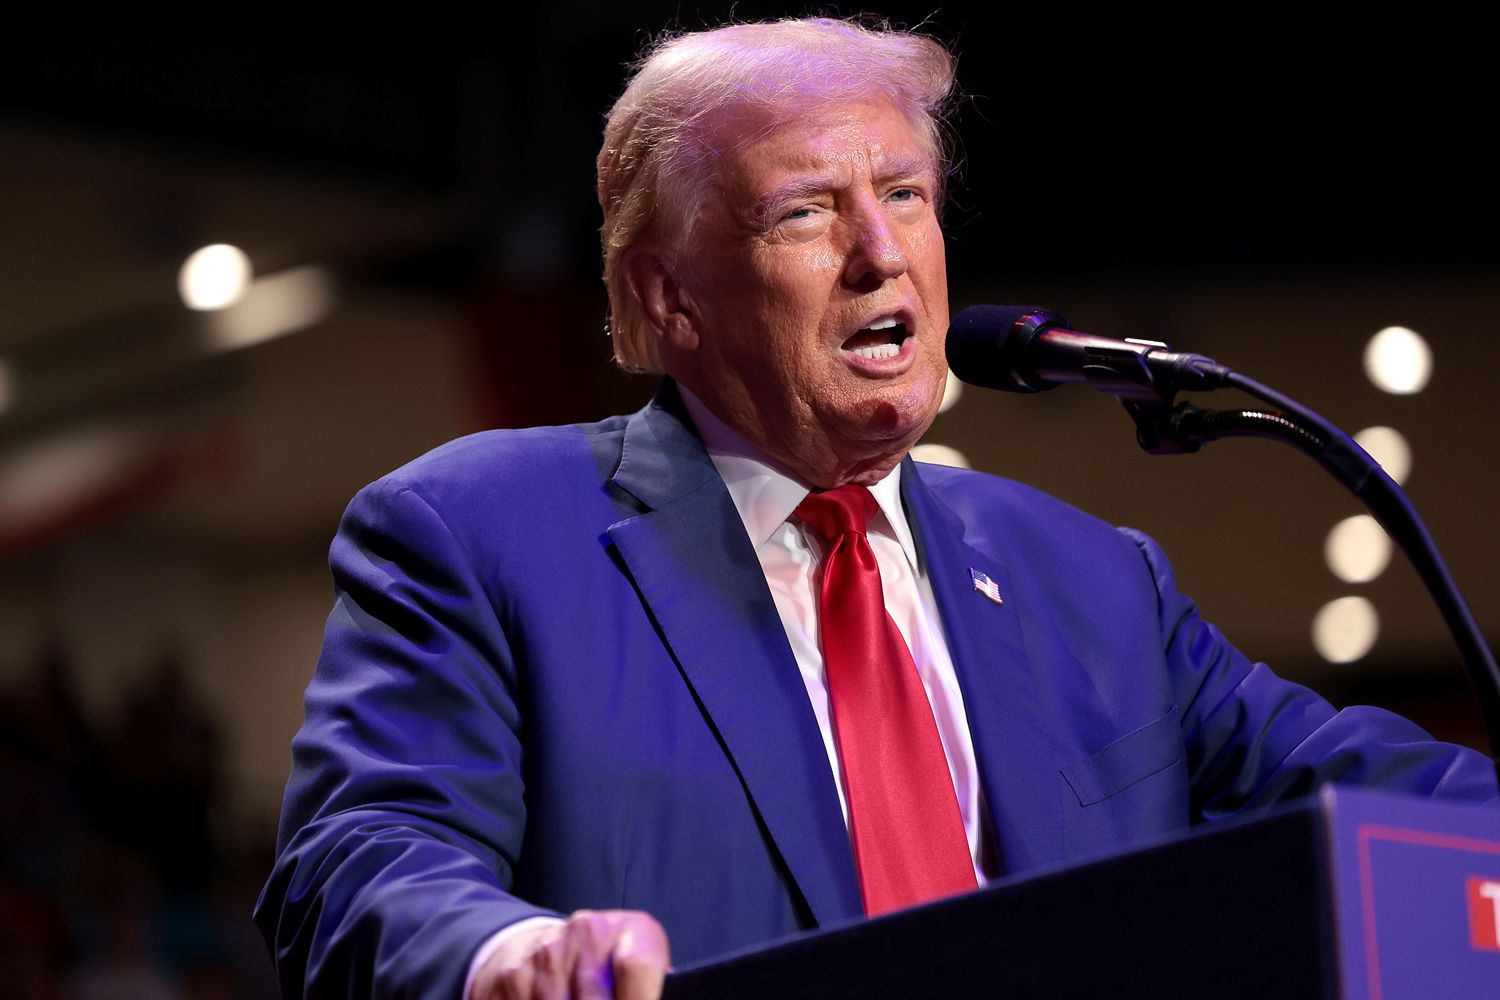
x=987 y=346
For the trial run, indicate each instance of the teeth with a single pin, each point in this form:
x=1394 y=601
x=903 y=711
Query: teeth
x=883 y=324
x=878 y=351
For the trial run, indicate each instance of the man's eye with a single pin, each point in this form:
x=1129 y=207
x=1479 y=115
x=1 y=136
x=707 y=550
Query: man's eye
x=903 y=194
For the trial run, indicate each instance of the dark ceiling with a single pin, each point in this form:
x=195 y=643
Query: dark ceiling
x=1092 y=144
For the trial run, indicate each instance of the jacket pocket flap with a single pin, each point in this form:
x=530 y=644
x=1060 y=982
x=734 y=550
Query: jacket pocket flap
x=1133 y=757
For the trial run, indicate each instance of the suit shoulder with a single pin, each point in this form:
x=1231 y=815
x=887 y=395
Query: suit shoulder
x=514 y=471
x=495 y=457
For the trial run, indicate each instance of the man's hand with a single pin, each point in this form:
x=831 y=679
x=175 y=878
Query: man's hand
x=593 y=954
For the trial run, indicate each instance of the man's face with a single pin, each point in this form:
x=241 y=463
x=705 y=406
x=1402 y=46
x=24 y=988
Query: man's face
x=818 y=288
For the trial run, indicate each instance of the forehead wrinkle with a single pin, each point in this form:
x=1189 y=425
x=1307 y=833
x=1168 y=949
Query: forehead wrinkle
x=903 y=165
x=752 y=144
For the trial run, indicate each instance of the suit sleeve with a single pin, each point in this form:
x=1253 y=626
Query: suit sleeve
x=1254 y=739
x=404 y=813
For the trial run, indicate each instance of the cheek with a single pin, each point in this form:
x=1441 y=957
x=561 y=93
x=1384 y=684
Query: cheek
x=926 y=252
x=929 y=272
x=821 y=260
x=789 y=298
x=803 y=269
x=789 y=275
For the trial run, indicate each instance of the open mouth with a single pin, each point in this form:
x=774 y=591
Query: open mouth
x=881 y=339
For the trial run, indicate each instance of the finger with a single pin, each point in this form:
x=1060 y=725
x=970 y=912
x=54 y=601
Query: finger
x=552 y=968
x=509 y=974
x=641 y=959
x=593 y=940
x=514 y=983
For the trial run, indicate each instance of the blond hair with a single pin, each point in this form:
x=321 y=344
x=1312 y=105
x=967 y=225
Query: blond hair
x=658 y=136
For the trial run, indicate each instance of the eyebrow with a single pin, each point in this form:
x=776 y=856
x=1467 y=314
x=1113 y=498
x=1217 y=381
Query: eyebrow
x=798 y=188
x=795 y=190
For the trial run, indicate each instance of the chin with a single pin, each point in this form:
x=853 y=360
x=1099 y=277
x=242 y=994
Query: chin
x=875 y=441
x=896 y=416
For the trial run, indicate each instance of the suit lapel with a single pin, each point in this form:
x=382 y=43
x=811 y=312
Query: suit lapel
x=1016 y=756
x=701 y=581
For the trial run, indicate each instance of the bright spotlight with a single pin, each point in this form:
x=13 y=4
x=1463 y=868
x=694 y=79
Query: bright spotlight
x=1398 y=361
x=214 y=277
x=1358 y=549
x=1345 y=629
x=1387 y=446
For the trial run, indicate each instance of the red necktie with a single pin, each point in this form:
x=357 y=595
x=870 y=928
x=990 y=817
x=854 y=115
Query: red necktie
x=908 y=836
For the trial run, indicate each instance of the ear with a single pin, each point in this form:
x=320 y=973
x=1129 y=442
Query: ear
x=664 y=300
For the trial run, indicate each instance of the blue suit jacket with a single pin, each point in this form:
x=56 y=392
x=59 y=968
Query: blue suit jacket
x=554 y=678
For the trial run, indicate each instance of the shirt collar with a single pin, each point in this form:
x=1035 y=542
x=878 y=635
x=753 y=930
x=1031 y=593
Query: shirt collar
x=765 y=493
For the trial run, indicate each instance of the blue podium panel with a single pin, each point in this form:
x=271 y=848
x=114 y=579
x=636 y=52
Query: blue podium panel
x=1417 y=897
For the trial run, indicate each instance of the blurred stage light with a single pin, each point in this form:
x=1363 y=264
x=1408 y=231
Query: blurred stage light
x=214 y=277
x=939 y=454
x=953 y=391
x=1398 y=361
x=275 y=305
x=1387 y=446
x=1345 y=629
x=1358 y=549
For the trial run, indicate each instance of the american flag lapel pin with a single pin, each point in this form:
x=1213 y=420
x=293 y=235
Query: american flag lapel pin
x=989 y=588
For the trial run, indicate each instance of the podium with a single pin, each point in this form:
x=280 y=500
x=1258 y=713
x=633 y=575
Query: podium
x=1352 y=894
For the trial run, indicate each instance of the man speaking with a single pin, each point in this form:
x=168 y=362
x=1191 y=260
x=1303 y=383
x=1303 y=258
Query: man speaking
x=734 y=667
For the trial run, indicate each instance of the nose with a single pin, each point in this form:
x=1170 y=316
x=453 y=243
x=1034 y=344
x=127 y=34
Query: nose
x=876 y=253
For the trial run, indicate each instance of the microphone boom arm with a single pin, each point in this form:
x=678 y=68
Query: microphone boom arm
x=1164 y=428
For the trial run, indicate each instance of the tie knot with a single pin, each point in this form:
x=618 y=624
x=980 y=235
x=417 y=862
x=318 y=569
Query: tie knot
x=841 y=511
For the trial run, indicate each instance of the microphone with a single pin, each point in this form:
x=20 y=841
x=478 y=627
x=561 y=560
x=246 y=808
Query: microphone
x=1026 y=349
